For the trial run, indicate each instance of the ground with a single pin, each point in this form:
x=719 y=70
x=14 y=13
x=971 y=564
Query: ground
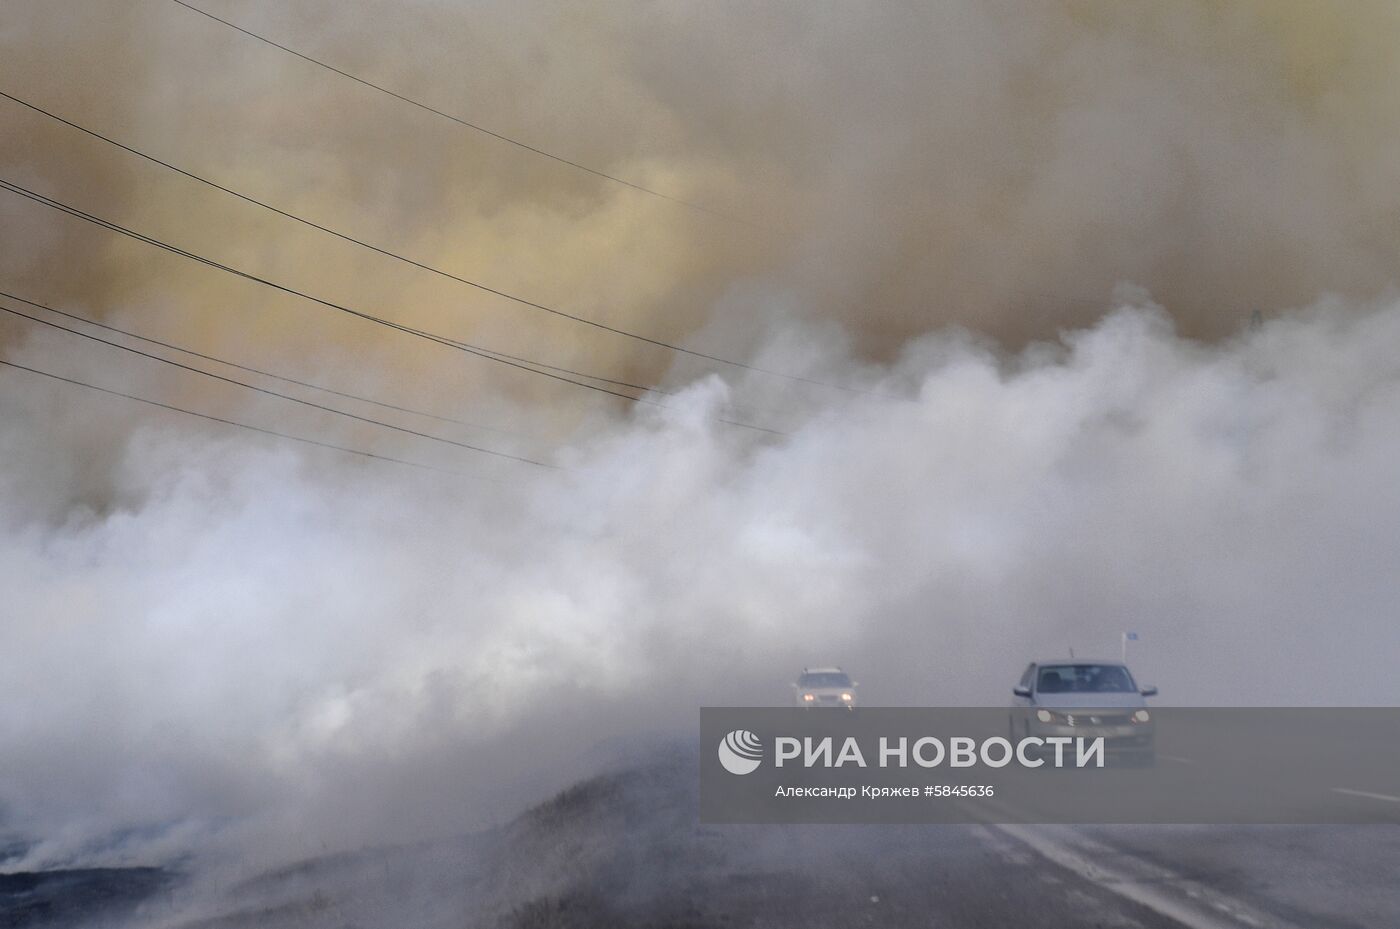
x=624 y=851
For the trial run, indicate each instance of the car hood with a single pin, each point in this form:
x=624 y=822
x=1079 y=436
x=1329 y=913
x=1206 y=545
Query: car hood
x=1083 y=700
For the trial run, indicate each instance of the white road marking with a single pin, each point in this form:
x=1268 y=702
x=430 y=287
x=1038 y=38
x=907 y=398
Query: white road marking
x=1149 y=885
x=1365 y=793
x=1177 y=758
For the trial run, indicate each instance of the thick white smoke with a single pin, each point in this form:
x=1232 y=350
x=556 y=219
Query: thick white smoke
x=249 y=646
x=245 y=650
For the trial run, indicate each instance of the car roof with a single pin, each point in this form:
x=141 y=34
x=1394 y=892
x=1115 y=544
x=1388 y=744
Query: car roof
x=1110 y=661
x=832 y=670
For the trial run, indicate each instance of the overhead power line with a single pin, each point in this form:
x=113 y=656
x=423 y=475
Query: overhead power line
x=258 y=371
x=476 y=127
x=510 y=361
x=549 y=367
x=452 y=343
x=432 y=269
x=271 y=393
x=230 y=422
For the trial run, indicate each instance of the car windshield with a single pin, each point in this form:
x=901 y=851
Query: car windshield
x=824 y=679
x=1084 y=678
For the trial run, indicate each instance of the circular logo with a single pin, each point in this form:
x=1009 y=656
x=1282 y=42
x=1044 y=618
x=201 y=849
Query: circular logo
x=740 y=752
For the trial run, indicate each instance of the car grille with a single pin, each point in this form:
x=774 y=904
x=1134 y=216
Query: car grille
x=1098 y=719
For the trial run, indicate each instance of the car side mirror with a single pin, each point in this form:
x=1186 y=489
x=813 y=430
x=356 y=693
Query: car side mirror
x=1021 y=691
x=1149 y=691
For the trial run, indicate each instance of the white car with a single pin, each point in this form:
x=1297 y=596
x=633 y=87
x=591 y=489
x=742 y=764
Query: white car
x=824 y=687
x=1075 y=697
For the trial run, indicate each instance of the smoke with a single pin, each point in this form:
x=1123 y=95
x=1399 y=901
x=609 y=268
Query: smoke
x=283 y=647
x=250 y=650
x=985 y=164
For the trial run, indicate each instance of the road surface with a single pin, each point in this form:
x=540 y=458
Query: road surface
x=627 y=851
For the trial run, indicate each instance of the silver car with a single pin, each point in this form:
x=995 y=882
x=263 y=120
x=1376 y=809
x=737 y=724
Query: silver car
x=824 y=687
x=1086 y=698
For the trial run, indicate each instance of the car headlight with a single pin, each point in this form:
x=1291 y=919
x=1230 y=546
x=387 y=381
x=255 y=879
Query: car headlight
x=809 y=697
x=847 y=697
x=1142 y=716
x=1059 y=719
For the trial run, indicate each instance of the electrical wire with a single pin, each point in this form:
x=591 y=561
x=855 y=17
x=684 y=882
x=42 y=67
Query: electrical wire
x=510 y=361
x=423 y=266
x=258 y=371
x=466 y=123
x=230 y=422
x=272 y=393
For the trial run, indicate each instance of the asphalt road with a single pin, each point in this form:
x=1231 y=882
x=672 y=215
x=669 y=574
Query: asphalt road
x=626 y=851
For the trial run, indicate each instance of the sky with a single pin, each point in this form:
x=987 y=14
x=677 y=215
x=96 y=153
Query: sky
x=982 y=273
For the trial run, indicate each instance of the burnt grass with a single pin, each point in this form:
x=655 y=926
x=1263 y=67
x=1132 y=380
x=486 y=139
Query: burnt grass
x=621 y=851
x=41 y=899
